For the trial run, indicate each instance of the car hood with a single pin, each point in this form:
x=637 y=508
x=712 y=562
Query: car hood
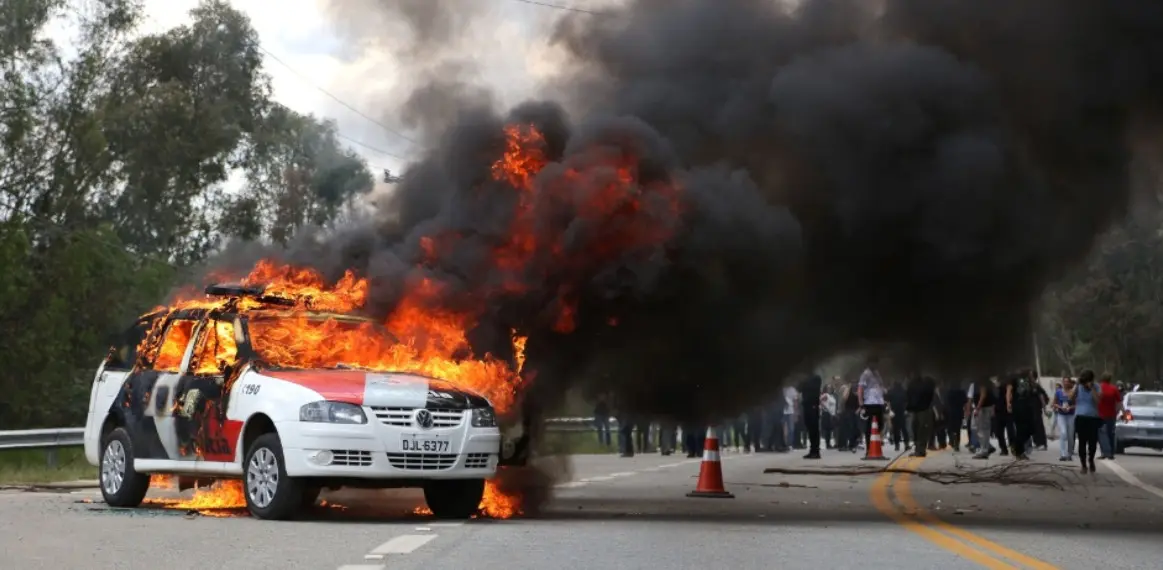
x=381 y=389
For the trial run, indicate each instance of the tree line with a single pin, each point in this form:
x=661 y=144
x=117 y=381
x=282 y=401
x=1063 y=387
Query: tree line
x=117 y=150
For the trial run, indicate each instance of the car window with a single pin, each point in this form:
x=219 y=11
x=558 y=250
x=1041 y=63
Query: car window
x=173 y=345
x=217 y=347
x=1145 y=400
x=123 y=354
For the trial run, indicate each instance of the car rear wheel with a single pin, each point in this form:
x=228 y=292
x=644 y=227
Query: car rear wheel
x=455 y=499
x=270 y=493
x=121 y=484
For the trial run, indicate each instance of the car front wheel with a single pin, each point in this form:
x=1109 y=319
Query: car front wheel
x=455 y=499
x=121 y=484
x=270 y=493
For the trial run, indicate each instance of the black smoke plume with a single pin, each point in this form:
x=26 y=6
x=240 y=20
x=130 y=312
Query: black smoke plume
x=849 y=174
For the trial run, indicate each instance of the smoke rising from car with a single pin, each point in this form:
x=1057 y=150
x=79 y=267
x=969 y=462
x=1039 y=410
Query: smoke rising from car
x=848 y=174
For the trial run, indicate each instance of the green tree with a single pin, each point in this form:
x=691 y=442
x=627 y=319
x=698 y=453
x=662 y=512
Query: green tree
x=298 y=175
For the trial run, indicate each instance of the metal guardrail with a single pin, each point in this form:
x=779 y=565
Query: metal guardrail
x=70 y=437
x=41 y=438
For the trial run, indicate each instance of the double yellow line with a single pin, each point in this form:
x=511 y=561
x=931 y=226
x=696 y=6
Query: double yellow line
x=925 y=524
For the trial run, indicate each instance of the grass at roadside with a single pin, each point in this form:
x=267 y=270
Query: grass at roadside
x=25 y=466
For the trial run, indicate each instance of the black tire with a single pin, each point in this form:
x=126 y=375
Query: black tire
x=131 y=490
x=1120 y=447
x=267 y=499
x=454 y=499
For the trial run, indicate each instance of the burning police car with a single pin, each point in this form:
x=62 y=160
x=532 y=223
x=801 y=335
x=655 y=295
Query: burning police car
x=205 y=392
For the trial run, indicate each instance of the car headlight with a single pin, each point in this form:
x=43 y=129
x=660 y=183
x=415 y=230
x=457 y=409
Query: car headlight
x=332 y=413
x=483 y=417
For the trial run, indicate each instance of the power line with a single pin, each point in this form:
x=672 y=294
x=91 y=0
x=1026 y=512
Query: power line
x=369 y=147
x=562 y=7
x=332 y=96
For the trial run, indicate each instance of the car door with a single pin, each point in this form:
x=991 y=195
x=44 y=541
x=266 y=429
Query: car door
x=200 y=411
x=110 y=378
x=147 y=398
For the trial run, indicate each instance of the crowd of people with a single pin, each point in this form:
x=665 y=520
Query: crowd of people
x=917 y=414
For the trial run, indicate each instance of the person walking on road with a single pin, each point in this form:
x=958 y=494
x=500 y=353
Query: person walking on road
x=1086 y=419
x=983 y=416
x=790 y=405
x=1019 y=402
x=1041 y=400
x=1003 y=427
x=921 y=396
x=955 y=399
x=848 y=419
x=1109 y=406
x=870 y=392
x=897 y=400
x=827 y=416
x=810 y=400
x=1064 y=417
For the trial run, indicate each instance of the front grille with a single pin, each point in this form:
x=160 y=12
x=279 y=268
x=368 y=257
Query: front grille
x=476 y=461
x=402 y=417
x=422 y=461
x=351 y=457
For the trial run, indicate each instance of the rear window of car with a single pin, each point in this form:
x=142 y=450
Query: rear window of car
x=1145 y=400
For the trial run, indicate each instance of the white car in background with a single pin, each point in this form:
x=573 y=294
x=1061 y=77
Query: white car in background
x=202 y=403
x=1141 y=424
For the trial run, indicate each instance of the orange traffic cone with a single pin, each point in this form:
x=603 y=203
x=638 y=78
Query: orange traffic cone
x=874 y=449
x=711 y=471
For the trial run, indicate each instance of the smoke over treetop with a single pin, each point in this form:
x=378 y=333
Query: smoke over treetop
x=751 y=188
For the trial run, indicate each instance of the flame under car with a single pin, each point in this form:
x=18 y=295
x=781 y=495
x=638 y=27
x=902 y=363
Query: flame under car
x=223 y=393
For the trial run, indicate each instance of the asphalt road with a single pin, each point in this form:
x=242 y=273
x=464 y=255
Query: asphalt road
x=633 y=513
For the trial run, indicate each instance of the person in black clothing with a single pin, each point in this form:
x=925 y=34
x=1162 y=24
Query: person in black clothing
x=810 y=403
x=955 y=398
x=984 y=408
x=896 y=399
x=1002 y=426
x=848 y=421
x=755 y=428
x=1040 y=400
x=1019 y=402
x=937 y=439
x=920 y=396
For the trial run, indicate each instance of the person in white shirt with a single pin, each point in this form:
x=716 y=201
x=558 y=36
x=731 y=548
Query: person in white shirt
x=870 y=392
x=827 y=413
x=790 y=404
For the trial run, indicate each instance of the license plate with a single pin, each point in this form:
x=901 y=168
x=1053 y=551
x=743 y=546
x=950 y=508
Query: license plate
x=426 y=445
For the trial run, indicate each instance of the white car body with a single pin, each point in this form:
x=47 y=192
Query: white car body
x=414 y=430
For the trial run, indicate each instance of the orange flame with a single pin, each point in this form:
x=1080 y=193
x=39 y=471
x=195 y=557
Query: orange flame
x=312 y=328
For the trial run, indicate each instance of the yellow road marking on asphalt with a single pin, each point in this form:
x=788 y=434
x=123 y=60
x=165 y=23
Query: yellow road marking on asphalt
x=904 y=495
x=880 y=499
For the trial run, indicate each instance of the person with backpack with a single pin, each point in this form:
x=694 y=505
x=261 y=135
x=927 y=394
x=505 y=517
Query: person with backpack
x=1019 y=402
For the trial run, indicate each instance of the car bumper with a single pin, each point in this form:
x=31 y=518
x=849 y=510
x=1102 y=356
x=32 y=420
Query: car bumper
x=1137 y=433
x=375 y=451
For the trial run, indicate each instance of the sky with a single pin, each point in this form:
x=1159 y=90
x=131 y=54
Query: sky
x=506 y=40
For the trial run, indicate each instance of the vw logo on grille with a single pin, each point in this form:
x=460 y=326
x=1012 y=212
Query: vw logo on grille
x=424 y=419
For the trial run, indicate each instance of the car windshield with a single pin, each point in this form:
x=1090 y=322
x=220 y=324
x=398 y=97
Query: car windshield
x=309 y=340
x=1145 y=400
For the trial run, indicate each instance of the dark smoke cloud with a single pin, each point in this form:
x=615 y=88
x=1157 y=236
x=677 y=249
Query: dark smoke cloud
x=852 y=174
